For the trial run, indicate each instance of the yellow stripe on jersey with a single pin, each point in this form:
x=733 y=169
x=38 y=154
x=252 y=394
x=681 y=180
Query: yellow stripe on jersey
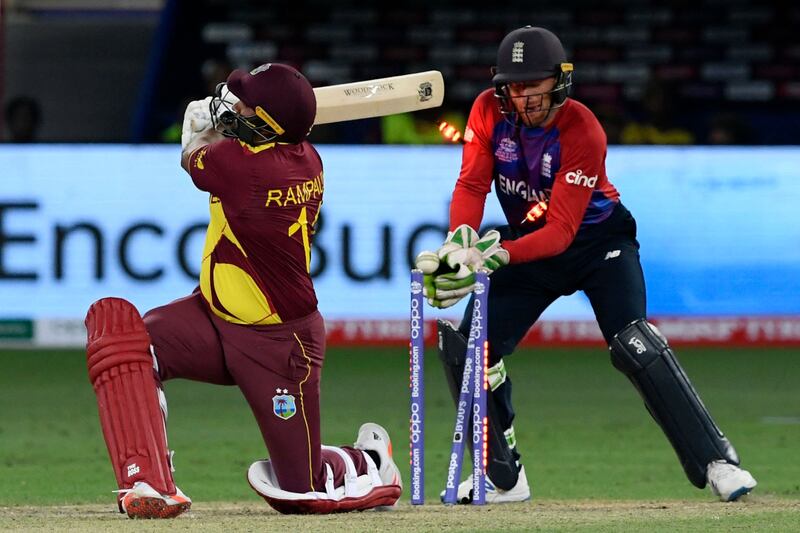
x=235 y=289
x=303 y=410
x=259 y=148
x=217 y=227
x=198 y=162
x=238 y=293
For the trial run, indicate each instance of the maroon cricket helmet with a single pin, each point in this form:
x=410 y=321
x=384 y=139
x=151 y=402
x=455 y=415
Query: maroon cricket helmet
x=281 y=97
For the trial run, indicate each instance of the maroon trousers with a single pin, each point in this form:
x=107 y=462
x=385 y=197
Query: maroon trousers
x=277 y=369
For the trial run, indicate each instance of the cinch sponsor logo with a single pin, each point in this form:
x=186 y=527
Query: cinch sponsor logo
x=579 y=178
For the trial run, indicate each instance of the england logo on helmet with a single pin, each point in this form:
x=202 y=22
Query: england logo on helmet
x=529 y=54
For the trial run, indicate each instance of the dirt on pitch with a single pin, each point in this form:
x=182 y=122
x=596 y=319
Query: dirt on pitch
x=757 y=513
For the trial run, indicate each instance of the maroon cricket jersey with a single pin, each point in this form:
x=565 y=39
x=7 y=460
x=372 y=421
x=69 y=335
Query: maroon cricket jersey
x=264 y=204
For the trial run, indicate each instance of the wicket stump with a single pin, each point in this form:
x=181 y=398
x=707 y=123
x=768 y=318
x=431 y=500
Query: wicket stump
x=471 y=403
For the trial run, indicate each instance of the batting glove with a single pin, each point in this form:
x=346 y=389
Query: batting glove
x=196 y=119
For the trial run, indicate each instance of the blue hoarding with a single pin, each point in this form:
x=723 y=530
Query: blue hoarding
x=718 y=227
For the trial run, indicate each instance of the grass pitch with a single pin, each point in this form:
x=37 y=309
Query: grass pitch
x=594 y=458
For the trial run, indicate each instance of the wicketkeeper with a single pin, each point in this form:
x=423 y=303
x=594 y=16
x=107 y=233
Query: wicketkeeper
x=567 y=231
x=253 y=322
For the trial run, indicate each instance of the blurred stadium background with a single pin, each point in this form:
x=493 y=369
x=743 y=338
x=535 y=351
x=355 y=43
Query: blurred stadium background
x=701 y=104
x=721 y=71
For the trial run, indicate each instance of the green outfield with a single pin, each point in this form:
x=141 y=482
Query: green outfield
x=593 y=456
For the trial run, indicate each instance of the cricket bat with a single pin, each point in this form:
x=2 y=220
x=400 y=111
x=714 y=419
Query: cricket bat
x=379 y=97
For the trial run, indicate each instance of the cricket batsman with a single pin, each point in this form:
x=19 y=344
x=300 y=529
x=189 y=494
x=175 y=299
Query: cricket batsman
x=253 y=322
x=567 y=231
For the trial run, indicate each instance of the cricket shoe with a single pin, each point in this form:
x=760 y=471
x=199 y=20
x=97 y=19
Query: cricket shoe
x=521 y=492
x=372 y=437
x=143 y=501
x=729 y=482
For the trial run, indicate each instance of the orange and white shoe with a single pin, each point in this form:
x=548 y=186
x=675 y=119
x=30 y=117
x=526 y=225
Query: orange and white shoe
x=143 y=501
x=374 y=438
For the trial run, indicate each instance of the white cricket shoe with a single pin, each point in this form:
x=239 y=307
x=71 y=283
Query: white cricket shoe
x=727 y=481
x=521 y=492
x=143 y=501
x=374 y=438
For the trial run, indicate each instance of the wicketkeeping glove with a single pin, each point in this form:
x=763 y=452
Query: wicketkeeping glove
x=444 y=285
x=457 y=248
x=449 y=287
x=449 y=273
x=492 y=254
